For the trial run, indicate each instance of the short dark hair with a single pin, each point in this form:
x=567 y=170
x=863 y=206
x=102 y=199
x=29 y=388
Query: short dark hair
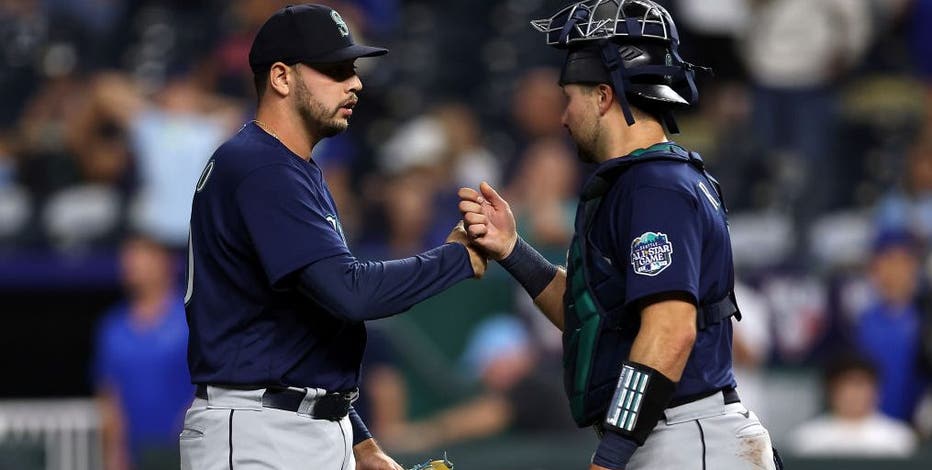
x=848 y=362
x=260 y=78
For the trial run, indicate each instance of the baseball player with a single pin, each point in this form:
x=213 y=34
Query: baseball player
x=646 y=301
x=275 y=301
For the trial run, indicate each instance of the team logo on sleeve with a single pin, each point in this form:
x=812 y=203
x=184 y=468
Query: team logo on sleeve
x=651 y=253
x=337 y=226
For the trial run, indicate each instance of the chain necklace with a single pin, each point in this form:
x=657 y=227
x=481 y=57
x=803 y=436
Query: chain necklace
x=266 y=128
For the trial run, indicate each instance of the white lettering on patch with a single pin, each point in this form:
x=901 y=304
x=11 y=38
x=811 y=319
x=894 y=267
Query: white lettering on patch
x=651 y=253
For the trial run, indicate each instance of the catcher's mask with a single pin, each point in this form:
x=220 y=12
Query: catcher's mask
x=631 y=45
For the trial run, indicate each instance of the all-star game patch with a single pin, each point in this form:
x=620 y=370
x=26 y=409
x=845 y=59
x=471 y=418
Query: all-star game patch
x=651 y=253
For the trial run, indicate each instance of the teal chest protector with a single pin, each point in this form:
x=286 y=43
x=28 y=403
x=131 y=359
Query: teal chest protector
x=598 y=332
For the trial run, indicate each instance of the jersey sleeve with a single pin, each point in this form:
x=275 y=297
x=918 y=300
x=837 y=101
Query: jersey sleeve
x=287 y=224
x=663 y=242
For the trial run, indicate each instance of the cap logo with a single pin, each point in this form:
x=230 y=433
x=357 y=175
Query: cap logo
x=341 y=25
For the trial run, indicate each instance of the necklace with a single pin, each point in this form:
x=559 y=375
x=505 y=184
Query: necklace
x=266 y=128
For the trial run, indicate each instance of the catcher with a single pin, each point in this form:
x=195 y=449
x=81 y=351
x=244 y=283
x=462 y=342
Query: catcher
x=646 y=300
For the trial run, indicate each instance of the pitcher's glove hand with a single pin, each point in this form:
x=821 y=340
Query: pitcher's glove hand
x=444 y=464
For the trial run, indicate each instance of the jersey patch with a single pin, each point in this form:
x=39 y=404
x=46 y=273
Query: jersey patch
x=651 y=253
x=335 y=223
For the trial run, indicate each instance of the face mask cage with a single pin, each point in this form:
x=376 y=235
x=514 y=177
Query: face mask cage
x=605 y=19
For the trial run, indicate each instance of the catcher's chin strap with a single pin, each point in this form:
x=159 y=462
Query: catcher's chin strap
x=679 y=71
x=620 y=82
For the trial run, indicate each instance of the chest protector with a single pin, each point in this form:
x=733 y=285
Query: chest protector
x=598 y=332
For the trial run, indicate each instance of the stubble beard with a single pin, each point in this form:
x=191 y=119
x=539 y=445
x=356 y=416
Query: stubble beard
x=585 y=140
x=316 y=118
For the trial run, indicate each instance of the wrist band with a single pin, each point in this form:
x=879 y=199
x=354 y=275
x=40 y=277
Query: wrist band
x=529 y=268
x=360 y=431
x=614 y=451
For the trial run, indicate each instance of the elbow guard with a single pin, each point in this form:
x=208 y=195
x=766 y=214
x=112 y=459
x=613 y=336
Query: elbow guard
x=640 y=397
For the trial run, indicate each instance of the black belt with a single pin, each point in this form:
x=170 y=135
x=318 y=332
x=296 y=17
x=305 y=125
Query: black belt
x=730 y=394
x=332 y=406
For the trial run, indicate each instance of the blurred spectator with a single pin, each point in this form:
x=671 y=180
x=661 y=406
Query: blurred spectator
x=796 y=51
x=141 y=373
x=74 y=166
x=799 y=304
x=909 y=208
x=753 y=337
x=536 y=112
x=472 y=163
x=7 y=163
x=853 y=425
x=172 y=137
x=922 y=49
x=44 y=148
x=544 y=192
x=35 y=45
x=383 y=396
x=407 y=222
x=15 y=201
x=888 y=330
x=537 y=104
x=712 y=27
x=519 y=394
x=230 y=60
x=415 y=191
x=709 y=36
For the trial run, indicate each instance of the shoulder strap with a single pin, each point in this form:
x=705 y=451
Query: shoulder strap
x=712 y=313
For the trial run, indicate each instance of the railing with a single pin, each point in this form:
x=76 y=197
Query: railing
x=66 y=433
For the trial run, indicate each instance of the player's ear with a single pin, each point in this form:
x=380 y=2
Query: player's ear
x=606 y=96
x=280 y=77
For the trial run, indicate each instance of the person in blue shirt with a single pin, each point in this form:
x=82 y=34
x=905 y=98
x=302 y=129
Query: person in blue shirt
x=275 y=300
x=888 y=330
x=140 y=368
x=646 y=300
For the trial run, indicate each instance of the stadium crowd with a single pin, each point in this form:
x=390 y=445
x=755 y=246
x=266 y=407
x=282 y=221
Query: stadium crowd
x=817 y=121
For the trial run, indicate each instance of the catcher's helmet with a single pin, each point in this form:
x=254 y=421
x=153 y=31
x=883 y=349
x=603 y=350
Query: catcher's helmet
x=631 y=45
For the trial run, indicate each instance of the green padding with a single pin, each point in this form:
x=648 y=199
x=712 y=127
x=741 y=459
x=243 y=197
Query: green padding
x=586 y=343
x=584 y=338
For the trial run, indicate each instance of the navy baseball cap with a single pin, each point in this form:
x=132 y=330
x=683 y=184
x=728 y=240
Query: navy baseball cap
x=311 y=34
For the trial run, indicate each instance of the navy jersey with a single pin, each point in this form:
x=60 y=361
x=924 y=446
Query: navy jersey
x=261 y=215
x=663 y=228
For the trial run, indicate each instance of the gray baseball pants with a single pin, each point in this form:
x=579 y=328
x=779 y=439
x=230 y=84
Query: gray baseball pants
x=706 y=434
x=231 y=430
